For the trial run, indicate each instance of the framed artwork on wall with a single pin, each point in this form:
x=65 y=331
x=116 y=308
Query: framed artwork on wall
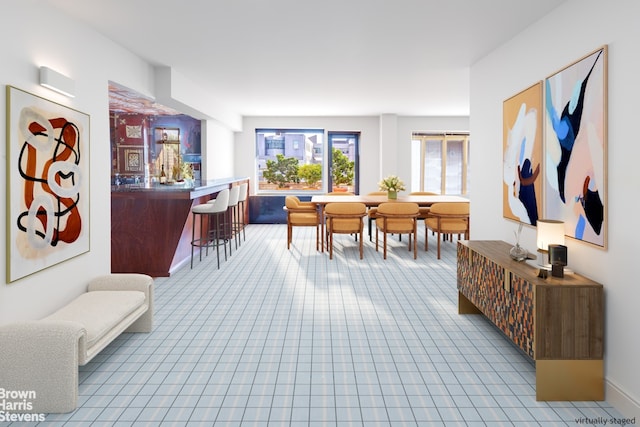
x=575 y=173
x=522 y=156
x=167 y=135
x=130 y=159
x=134 y=160
x=47 y=183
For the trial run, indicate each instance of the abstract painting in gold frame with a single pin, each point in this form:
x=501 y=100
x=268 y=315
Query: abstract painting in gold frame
x=575 y=182
x=522 y=155
x=47 y=183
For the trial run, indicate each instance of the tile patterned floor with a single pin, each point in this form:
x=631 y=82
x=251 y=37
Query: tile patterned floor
x=290 y=338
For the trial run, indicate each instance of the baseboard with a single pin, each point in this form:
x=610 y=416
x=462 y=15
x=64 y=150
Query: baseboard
x=620 y=400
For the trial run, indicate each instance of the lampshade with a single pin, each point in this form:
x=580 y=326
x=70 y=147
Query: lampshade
x=550 y=232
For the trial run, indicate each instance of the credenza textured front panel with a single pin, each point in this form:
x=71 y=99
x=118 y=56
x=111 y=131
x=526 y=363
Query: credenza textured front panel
x=504 y=299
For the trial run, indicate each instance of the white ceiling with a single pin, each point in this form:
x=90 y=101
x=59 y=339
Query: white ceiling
x=326 y=57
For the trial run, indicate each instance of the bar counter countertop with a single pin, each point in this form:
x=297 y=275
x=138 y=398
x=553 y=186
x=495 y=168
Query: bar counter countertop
x=179 y=189
x=151 y=224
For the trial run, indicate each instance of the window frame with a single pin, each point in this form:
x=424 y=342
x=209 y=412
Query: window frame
x=443 y=137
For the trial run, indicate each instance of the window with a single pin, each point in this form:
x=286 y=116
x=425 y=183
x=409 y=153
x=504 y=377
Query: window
x=440 y=162
x=300 y=160
x=343 y=158
x=290 y=159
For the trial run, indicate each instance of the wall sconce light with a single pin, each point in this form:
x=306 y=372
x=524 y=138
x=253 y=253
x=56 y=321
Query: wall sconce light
x=549 y=232
x=57 y=82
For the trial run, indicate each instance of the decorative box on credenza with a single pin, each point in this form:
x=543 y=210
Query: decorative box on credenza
x=558 y=322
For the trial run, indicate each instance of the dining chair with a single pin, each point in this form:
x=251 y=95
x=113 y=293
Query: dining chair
x=424 y=210
x=447 y=219
x=301 y=214
x=335 y=193
x=371 y=212
x=344 y=218
x=398 y=218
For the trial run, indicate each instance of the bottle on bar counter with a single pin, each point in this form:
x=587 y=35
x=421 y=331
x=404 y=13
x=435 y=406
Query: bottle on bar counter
x=163 y=175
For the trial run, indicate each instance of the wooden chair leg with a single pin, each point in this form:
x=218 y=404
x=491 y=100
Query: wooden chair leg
x=426 y=239
x=385 y=245
x=415 y=240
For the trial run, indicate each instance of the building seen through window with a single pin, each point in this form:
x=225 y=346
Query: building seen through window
x=303 y=160
x=289 y=159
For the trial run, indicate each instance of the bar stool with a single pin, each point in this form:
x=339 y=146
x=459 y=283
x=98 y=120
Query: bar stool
x=242 y=199
x=234 y=194
x=214 y=210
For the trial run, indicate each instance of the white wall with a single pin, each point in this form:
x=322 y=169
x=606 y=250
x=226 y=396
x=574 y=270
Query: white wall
x=389 y=145
x=48 y=38
x=33 y=35
x=385 y=141
x=218 y=153
x=566 y=35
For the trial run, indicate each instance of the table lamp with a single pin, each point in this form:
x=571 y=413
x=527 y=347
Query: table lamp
x=549 y=232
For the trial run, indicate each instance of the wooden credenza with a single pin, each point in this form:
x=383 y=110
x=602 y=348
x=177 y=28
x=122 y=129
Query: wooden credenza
x=558 y=322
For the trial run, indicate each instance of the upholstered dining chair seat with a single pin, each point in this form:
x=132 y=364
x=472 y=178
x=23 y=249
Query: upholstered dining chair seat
x=447 y=225
x=304 y=218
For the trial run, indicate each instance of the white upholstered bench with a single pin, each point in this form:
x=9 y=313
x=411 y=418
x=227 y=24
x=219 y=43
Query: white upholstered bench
x=43 y=355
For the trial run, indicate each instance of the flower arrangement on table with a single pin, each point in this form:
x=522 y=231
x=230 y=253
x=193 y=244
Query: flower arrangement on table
x=392 y=184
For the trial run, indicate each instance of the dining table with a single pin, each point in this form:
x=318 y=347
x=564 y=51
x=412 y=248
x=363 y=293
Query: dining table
x=374 y=200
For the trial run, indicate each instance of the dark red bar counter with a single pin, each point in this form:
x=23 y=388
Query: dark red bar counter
x=151 y=225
